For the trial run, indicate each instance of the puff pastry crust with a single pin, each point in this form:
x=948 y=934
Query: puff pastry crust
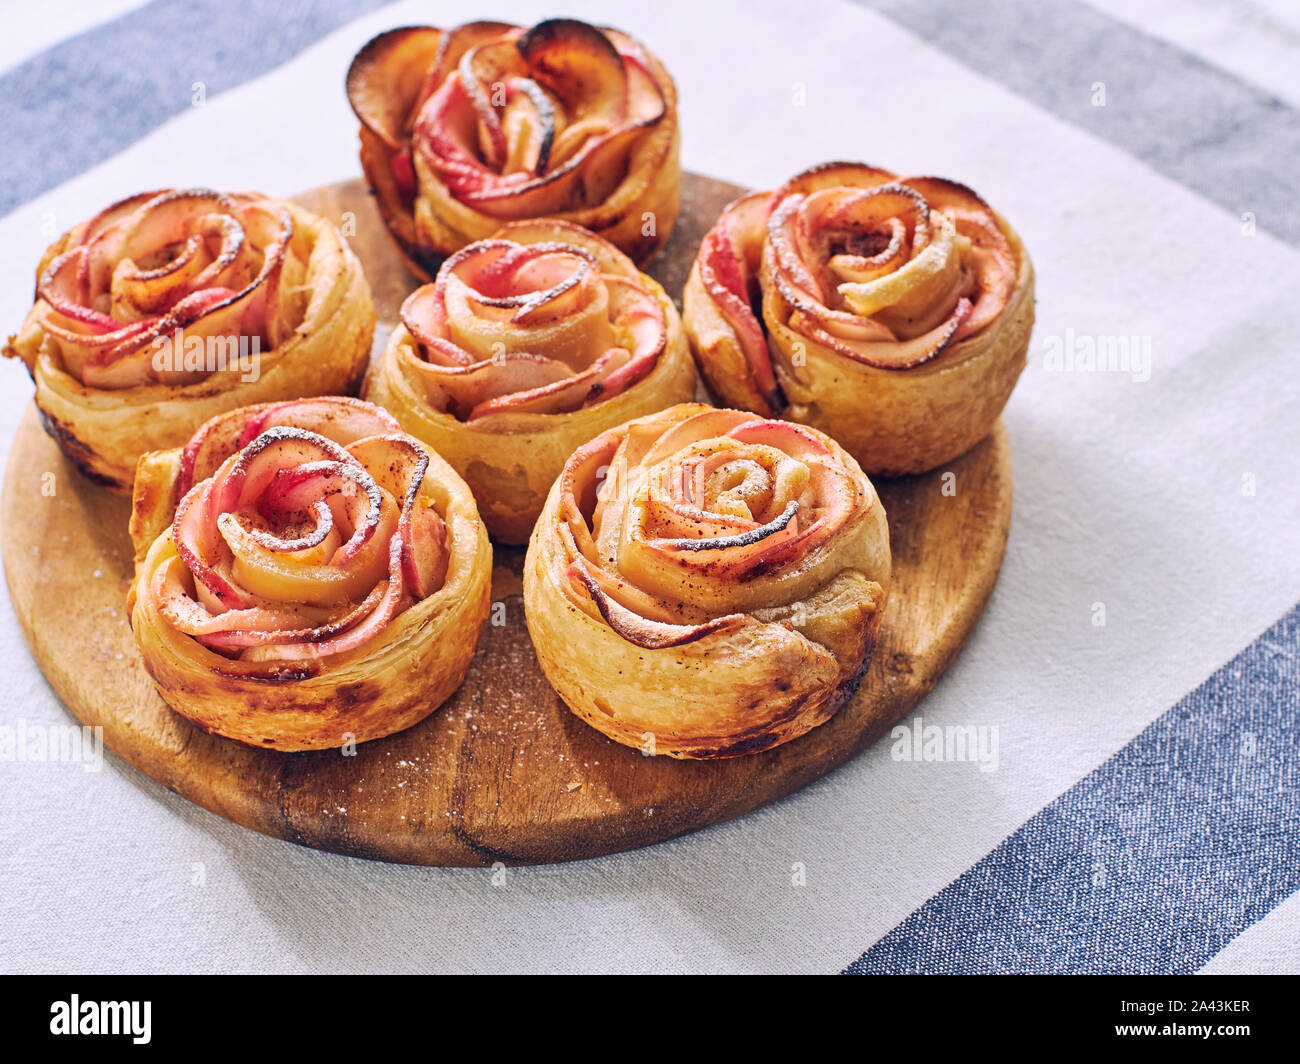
x=526 y=346
x=465 y=129
x=170 y=307
x=892 y=313
x=307 y=575
x=705 y=583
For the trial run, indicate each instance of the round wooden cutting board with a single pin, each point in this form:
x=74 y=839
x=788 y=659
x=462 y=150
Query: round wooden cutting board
x=503 y=771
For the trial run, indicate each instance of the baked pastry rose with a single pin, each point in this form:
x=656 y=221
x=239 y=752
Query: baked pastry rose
x=468 y=128
x=892 y=313
x=526 y=346
x=171 y=307
x=307 y=575
x=706 y=583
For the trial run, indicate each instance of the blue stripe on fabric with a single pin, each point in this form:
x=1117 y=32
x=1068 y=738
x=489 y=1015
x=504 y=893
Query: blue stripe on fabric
x=87 y=98
x=1151 y=864
x=1233 y=142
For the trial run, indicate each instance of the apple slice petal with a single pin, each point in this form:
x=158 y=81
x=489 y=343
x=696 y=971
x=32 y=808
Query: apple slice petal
x=661 y=443
x=194 y=259
x=529 y=124
x=557 y=231
x=786 y=436
x=386 y=77
x=726 y=276
x=555 y=397
x=454 y=44
x=833 y=175
x=895 y=354
x=638 y=629
x=485 y=70
x=544 y=323
x=424 y=558
x=237 y=630
x=63 y=287
x=462 y=389
x=580 y=65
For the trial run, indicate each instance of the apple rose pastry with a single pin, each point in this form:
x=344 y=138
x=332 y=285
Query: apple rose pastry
x=171 y=307
x=468 y=128
x=307 y=575
x=526 y=346
x=706 y=583
x=892 y=313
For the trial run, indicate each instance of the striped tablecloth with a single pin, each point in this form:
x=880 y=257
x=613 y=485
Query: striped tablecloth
x=1137 y=666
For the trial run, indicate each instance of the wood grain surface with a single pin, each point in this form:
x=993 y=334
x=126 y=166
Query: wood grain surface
x=503 y=771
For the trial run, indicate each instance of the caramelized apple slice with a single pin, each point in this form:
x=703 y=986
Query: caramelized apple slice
x=579 y=64
x=484 y=71
x=452 y=48
x=385 y=80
